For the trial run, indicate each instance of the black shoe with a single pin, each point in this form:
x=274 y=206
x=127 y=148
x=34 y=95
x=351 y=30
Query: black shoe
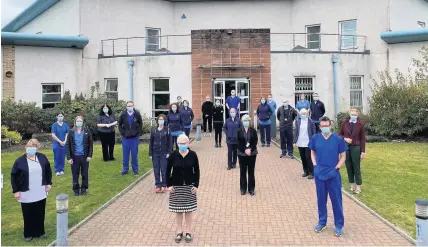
x=263 y=144
x=83 y=193
x=28 y=239
x=179 y=237
x=219 y=145
x=105 y=160
x=135 y=173
x=216 y=145
x=283 y=155
x=234 y=166
x=188 y=238
x=252 y=193
x=305 y=174
x=44 y=236
x=311 y=176
x=228 y=168
x=112 y=158
x=124 y=173
x=243 y=192
x=291 y=156
x=267 y=145
x=76 y=193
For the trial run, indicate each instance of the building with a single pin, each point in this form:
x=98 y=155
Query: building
x=152 y=51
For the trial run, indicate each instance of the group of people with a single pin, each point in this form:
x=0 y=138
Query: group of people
x=177 y=171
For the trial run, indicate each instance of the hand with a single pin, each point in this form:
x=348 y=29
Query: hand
x=248 y=151
x=348 y=140
x=150 y=157
x=294 y=145
x=363 y=156
x=171 y=189
x=62 y=143
x=194 y=189
x=206 y=115
x=88 y=159
x=70 y=161
x=18 y=195
x=338 y=167
x=48 y=188
x=167 y=156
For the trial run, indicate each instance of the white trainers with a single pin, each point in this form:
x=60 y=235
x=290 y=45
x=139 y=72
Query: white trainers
x=57 y=173
x=61 y=173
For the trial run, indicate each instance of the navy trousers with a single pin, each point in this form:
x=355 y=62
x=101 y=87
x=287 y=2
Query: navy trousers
x=159 y=168
x=333 y=188
x=130 y=146
x=59 y=158
x=187 y=131
x=265 y=133
x=286 y=136
x=232 y=155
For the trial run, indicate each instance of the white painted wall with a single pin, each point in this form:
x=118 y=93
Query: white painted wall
x=61 y=19
x=37 y=65
x=401 y=55
x=405 y=14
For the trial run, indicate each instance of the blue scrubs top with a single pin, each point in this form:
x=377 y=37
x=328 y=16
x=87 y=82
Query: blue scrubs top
x=233 y=102
x=60 y=132
x=327 y=154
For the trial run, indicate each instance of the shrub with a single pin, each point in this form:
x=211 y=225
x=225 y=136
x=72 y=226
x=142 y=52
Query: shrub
x=20 y=116
x=13 y=136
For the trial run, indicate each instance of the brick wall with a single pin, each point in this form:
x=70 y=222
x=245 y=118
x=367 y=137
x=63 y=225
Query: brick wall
x=239 y=47
x=8 y=87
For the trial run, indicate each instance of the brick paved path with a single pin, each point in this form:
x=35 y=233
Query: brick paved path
x=283 y=211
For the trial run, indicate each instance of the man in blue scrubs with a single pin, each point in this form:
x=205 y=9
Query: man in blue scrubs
x=326 y=150
x=233 y=102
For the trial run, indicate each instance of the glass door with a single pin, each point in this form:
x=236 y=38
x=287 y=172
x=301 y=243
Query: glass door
x=243 y=91
x=219 y=88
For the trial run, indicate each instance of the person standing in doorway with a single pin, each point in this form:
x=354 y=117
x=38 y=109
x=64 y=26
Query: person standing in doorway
x=231 y=129
x=207 y=115
x=354 y=133
x=130 y=127
x=79 y=154
x=175 y=123
x=60 y=131
x=317 y=111
x=187 y=117
x=302 y=103
x=286 y=116
x=106 y=123
x=218 y=115
x=264 y=112
x=305 y=129
x=159 y=150
x=326 y=148
x=179 y=101
x=234 y=102
x=272 y=104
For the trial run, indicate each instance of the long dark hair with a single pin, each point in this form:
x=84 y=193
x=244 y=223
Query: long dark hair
x=109 y=109
x=176 y=105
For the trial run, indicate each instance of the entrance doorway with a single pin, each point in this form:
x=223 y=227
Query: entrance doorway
x=222 y=88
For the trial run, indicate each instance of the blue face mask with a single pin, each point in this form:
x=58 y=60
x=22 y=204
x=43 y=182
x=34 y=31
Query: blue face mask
x=246 y=123
x=60 y=119
x=232 y=114
x=31 y=150
x=183 y=147
x=105 y=110
x=303 y=117
x=130 y=108
x=79 y=124
x=285 y=104
x=174 y=109
x=325 y=130
x=263 y=101
x=161 y=122
x=353 y=118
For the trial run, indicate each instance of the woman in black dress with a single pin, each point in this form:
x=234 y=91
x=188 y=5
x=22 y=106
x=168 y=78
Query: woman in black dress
x=106 y=124
x=218 y=122
x=247 y=153
x=183 y=182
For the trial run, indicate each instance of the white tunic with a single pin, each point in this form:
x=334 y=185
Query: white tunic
x=36 y=190
x=303 y=140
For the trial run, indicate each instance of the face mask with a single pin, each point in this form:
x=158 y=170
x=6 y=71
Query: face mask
x=185 y=104
x=105 y=110
x=179 y=100
x=263 y=101
x=302 y=98
x=60 y=119
x=79 y=124
x=325 y=130
x=303 y=117
x=174 y=109
x=217 y=103
x=246 y=123
x=182 y=147
x=353 y=118
x=316 y=98
x=208 y=100
x=270 y=99
x=161 y=122
x=130 y=108
x=232 y=114
x=31 y=150
x=285 y=104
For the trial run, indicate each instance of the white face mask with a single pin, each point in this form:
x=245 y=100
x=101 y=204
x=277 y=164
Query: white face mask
x=233 y=93
x=217 y=103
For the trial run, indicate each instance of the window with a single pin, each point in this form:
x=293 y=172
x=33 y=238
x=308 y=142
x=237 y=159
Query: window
x=303 y=85
x=421 y=24
x=313 y=37
x=348 y=32
x=51 y=94
x=160 y=96
x=110 y=89
x=152 y=39
x=356 y=92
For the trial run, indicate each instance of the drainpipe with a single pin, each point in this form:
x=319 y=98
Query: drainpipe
x=334 y=60
x=131 y=80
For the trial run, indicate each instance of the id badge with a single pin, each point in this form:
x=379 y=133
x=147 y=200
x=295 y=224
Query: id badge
x=285 y=119
x=248 y=144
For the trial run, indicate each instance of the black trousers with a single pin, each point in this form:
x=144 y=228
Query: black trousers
x=232 y=155
x=107 y=143
x=286 y=135
x=208 y=120
x=80 y=167
x=34 y=218
x=247 y=165
x=218 y=129
x=305 y=155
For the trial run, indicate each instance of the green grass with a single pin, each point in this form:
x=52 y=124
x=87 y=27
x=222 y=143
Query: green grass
x=104 y=183
x=394 y=176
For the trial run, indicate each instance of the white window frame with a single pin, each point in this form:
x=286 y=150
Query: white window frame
x=355 y=41
x=356 y=90
x=105 y=87
x=51 y=84
x=307 y=38
x=421 y=24
x=307 y=92
x=152 y=92
x=147 y=39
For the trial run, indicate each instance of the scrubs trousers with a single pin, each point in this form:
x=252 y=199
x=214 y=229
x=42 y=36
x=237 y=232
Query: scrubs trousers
x=59 y=158
x=159 y=169
x=130 y=146
x=265 y=133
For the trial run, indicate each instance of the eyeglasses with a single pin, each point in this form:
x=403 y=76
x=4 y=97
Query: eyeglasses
x=183 y=143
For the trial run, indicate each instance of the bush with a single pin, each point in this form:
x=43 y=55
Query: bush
x=13 y=136
x=20 y=116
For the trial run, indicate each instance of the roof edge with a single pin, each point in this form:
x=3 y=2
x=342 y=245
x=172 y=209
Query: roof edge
x=32 y=12
x=43 y=40
x=405 y=36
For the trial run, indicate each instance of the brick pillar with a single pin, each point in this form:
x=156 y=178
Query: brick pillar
x=8 y=86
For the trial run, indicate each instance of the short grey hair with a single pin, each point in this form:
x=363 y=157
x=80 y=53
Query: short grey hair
x=303 y=111
x=246 y=117
x=183 y=139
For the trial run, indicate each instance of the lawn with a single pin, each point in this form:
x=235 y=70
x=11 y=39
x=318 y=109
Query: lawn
x=394 y=176
x=104 y=183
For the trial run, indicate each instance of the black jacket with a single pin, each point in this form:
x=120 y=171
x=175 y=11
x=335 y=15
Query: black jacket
x=136 y=128
x=185 y=171
x=207 y=108
x=242 y=142
x=160 y=141
x=19 y=176
x=88 y=144
x=218 y=114
x=286 y=117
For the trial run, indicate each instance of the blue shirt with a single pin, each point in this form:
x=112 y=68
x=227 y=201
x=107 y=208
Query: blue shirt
x=272 y=105
x=233 y=102
x=78 y=142
x=130 y=119
x=327 y=155
x=60 y=131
